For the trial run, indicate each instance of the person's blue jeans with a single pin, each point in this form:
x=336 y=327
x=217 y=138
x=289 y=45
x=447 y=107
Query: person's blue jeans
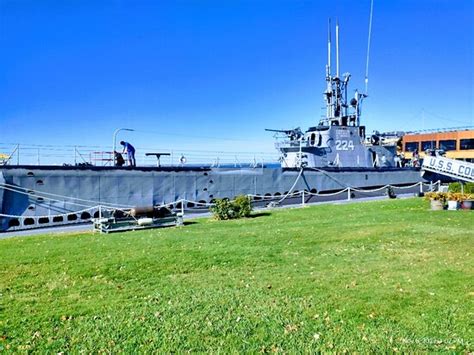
x=131 y=158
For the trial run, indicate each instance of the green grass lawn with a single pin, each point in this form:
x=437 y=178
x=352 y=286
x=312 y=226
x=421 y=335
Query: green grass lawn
x=375 y=276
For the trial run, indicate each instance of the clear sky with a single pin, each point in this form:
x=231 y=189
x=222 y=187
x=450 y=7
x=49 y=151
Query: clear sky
x=213 y=74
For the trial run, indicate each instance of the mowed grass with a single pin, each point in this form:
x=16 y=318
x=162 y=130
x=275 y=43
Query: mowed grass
x=375 y=276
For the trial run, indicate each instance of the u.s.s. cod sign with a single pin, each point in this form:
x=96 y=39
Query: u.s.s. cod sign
x=455 y=168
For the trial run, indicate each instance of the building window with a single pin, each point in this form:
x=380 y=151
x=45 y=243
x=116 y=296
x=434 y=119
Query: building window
x=467 y=144
x=428 y=145
x=411 y=146
x=447 y=145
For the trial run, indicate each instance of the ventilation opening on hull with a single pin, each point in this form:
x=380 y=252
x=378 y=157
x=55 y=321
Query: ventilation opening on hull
x=39 y=182
x=28 y=222
x=190 y=205
x=40 y=199
x=205 y=174
x=277 y=194
x=85 y=215
x=43 y=220
x=203 y=202
x=257 y=198
x=313 y=191
x=268 y=195
x=14 y=222
x=204 y=189
x=96 y=214
x=31 y=207
x=211 y=181
x=58 y=219
x=72 y=217
x=30 y=173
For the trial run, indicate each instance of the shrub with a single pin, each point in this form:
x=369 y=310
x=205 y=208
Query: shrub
x=243 y=206
x=224 y=209
x=468 y=187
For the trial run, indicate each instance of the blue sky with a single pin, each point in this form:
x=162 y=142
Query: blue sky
x=213 y=74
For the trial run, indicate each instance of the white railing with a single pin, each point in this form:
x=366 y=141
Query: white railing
x=35 y=154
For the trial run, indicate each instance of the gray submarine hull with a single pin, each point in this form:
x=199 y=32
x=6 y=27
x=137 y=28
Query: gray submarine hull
x=37 y=193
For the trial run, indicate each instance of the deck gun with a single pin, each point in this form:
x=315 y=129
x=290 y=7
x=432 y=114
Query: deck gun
x=293 y=134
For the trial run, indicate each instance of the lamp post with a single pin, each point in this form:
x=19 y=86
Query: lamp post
x=115 y=140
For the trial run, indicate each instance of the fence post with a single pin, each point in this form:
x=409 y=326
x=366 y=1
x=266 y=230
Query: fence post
x=100 y=219
x=182 y=206
x=421 y=187
x=348 y=194
x=302 y=198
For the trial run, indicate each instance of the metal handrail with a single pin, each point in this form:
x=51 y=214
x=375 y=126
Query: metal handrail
x=34 y=154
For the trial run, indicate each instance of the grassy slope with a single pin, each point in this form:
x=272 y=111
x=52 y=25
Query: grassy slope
x=366 y=276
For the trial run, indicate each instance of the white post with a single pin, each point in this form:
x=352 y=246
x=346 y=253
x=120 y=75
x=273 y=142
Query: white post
x=18 y=155
x=348 y=194
x=100 y=219
x=302 y=198
x=182 y=206
x=421 y=187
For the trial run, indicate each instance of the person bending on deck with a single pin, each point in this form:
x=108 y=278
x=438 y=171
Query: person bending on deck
x=130 y=150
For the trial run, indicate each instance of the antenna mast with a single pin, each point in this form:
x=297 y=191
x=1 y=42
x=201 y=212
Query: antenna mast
x=337 y=49
x=328 y=68
x=329 y=92
x=368 y=47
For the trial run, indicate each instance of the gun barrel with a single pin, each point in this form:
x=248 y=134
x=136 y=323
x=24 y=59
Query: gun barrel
x=276 y=130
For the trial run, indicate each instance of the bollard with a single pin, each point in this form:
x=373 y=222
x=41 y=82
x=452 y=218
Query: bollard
x=348 y=194
x=302 y=198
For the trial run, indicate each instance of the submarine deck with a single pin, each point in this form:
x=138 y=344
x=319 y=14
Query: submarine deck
x=199 y=168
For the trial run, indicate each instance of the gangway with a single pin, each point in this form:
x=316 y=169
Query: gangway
x=456 y=169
